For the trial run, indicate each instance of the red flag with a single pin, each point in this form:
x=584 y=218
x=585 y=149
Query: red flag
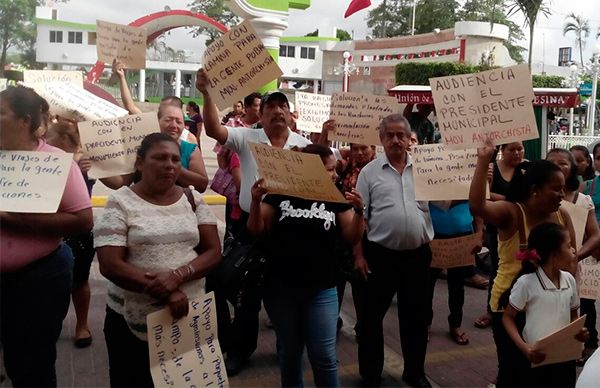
x=356 y=5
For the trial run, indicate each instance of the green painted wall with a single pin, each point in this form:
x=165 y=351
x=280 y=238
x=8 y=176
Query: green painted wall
x=533 y=148
x=307 y=39
x=280 y=5
x=62 y=23
x=275 y=83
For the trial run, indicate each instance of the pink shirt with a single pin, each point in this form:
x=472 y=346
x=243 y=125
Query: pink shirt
x=19 y=249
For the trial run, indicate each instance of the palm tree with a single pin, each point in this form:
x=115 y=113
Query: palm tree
x=580 y=26
x=530 y=10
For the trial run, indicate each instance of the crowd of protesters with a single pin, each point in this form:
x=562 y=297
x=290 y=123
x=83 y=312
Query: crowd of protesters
x=157 y=244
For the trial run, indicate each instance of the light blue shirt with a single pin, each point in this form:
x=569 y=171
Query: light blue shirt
x=395 y=219
x=238 y=139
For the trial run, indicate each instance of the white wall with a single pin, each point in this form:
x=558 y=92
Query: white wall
x=306 y=68
x=63 y=53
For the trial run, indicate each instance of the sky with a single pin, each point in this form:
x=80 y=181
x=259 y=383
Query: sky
x=548 y=35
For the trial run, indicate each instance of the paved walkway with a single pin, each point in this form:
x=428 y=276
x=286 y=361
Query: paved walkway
x=447 y=364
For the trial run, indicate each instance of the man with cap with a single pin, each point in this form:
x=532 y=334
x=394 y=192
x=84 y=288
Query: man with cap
x=420 y=123
x=275 y=117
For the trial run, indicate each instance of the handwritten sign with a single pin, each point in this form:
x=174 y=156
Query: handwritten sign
x=44 y=76
x=588 y=278
x=237 y=64
x=313 y=110
x=357 y=116
x=112 y=144
x=494 y=104
x=454 y=252
x=579 y=216
x=295 y=173
x=31 y=181
x=561 y=345
x=125 y=43
x=68 y=100
x=186 y=353
x=441 y=174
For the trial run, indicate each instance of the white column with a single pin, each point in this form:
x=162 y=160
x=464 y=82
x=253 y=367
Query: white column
x=142 y=86
x=178 y=83
x=571 y=132
x=316 y=86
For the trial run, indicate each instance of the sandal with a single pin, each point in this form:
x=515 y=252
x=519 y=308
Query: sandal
x=460 y=337
x=477 y=281
x=483 y=322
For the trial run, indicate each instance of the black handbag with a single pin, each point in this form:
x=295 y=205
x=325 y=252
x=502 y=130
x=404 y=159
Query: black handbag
x=244 y=269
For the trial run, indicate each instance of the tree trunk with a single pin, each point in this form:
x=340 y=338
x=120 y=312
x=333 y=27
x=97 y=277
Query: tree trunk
x=3 y=56
x=529 y=54
x=580 y=50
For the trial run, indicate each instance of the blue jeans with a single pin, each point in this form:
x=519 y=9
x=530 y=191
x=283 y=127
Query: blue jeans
x=35 y=300
x=304 y=318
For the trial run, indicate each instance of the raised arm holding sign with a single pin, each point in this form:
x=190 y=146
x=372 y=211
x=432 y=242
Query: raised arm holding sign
x=313 y=109
x=111 y=144
x=357 y=116
x=495 y=105
x=237 y=64
x=125 y=43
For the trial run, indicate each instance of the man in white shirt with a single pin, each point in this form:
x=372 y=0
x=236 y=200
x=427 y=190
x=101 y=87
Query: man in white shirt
x=275 y=118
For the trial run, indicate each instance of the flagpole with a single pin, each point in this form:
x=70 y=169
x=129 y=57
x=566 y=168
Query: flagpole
x=414 y=11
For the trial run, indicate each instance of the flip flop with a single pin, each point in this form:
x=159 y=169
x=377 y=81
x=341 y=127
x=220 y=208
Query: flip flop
x=483 y=322
x=460 y=338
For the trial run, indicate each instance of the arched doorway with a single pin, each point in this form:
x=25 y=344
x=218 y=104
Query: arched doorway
x=159 y=22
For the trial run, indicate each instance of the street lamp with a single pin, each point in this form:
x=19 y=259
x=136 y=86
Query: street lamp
x=346 y=69
x=594 y=69
x=572 y=81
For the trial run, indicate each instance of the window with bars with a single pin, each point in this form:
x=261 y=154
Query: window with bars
x=56 y=36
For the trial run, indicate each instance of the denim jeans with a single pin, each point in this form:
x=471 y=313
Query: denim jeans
x=35 y=300
x=303 y=318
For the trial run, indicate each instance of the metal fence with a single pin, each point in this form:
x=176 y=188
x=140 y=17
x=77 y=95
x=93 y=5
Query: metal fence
x=568 y=141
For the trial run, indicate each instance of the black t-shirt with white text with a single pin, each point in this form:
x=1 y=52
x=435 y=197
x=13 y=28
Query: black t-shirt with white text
x=302 y=240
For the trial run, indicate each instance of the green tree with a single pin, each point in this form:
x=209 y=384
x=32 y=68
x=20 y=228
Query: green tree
x=390 y=18
x=530 y=10
x=580 y=26
x=494 y=11
x=217 y=10
x=432 y=14
x=340 y=34
x=17 y=29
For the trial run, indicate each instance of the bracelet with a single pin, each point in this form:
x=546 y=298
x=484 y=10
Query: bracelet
x=360 y=211
x=178 y=273
x=191 y=270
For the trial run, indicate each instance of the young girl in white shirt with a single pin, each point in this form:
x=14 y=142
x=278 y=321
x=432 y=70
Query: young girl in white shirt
x=548 y=296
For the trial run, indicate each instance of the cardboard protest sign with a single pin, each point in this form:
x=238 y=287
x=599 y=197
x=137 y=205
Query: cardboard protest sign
x=579 y=217
x=313 y=111
x=441 y=174
x=588 y=278
x=186 y=352
x=31 y=77
x=70 y=101
x=125 y=43
x=561 y=345
x=357 y=116
x=237 y=64
x=112 y=144
x=494 y=104
x=295 y=173
x=31 y=181
x=454 y=252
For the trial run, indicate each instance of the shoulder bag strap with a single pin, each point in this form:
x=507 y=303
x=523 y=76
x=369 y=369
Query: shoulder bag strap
x=190 y=197
x=521 y=224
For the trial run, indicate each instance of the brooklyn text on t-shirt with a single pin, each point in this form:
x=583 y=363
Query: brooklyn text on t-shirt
x=287 y=210
x=479 y=79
